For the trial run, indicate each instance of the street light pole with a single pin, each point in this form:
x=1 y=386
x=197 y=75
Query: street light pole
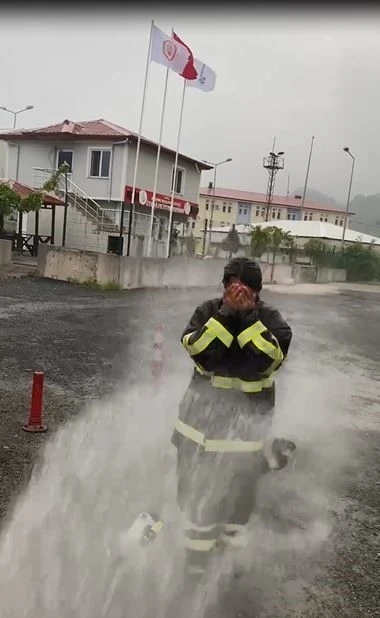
x=346 y=149
x=215 y=165
x=15 y=113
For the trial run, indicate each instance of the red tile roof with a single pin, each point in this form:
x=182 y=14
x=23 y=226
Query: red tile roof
x=24 y=190
x=281 y=201
x=88 y=129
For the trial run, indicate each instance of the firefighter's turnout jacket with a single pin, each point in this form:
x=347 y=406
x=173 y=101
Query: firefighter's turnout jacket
x=235 y=356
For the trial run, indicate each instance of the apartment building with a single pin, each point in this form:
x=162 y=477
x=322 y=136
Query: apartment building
x=246 y=207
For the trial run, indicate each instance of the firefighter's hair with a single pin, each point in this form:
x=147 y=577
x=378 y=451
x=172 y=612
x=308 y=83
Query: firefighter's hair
x=245 y=269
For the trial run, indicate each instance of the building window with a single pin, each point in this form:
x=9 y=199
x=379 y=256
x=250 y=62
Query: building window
x=305 y=217
x=224 y=208
x=179 y=182
x=263 y=212
x=229 y=209
x=258 y=211
x=217 y=207
x=341 y=222
x=193 y=225
x=100 y=163
x=206 y=205
x=336 y=221
x=65 y=156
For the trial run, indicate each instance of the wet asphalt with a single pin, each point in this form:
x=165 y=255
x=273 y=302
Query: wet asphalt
x=322 y=555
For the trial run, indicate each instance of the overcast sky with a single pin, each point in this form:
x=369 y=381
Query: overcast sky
x=290 y=77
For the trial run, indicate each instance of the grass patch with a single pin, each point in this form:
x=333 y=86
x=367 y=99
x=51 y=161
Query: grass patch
x=109 y=286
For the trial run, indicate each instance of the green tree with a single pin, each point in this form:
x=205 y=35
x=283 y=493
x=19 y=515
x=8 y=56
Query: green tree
x=11 y=201
x=231 y=243
x=278 y=239
x=260 y=240
x=361 y=263
x=316 y=250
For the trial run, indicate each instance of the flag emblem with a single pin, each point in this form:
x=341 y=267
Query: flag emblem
x=169 y=49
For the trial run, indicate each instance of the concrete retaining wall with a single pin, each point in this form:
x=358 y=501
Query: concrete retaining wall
x=5 y=251
x=331 y=275
x=133 y=272
x=312 y=274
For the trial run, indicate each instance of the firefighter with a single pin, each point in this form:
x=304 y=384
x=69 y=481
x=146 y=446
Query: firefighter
x=236 y=342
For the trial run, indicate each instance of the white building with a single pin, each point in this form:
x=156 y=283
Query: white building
x=101 y=158
x=302 y=231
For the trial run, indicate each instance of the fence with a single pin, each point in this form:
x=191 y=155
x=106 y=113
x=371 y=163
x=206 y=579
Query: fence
x=88 y=235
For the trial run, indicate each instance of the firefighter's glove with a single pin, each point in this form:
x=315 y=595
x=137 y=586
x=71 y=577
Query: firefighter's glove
x=239 y=297
x=281 y=452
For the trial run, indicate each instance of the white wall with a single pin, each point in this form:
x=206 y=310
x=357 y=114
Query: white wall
x=44 y=223
x=40 y=153
x=3 y=159
x=43 y=154
x=146 y=169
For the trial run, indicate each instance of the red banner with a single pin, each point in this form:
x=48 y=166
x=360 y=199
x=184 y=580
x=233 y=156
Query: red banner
x=144 y=198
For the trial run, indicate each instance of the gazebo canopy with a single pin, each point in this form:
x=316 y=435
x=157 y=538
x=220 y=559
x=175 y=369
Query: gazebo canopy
x=24 y=190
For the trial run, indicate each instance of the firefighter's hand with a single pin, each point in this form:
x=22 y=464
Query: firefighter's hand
x=239 y=297
x=246 y=298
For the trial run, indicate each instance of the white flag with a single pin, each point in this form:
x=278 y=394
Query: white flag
x=165 y=50
x=206 y=77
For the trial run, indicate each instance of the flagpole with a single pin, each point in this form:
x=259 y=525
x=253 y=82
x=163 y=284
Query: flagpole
x=175 y=170
x=131 y=213
x=157 y=165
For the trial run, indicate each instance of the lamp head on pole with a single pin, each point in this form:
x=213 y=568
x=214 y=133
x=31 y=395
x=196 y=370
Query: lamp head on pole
x=346 y=149
x=216 y=164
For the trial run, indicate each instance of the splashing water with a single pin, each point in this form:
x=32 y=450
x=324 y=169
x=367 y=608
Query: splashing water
x=60 y=552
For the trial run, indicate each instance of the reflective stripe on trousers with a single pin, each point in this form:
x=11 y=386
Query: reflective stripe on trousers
x=217 y=446
x=219 y=538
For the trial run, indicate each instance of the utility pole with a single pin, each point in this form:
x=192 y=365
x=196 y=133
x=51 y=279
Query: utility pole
x=273 y=163
x=307 y=172
x=346 y=149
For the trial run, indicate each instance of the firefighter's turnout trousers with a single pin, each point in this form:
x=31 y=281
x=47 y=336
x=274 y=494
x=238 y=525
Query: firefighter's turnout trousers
x=217 y=478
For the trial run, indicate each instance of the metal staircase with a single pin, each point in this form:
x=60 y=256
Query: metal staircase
x=79 y=200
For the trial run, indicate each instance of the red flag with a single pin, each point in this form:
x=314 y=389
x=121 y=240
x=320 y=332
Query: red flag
x=189 y=72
